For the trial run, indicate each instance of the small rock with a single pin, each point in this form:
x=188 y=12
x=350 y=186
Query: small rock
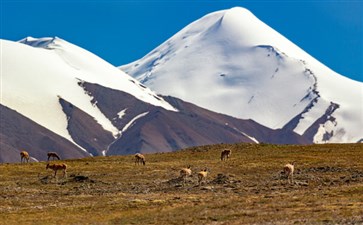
x=207 y=188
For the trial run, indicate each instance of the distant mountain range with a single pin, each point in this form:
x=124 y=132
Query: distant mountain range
x=217 y=86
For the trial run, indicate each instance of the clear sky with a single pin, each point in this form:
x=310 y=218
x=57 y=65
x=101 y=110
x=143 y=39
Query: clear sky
x=121 y=31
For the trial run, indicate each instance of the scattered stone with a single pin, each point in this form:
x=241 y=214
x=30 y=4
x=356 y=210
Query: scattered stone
x=207 y=188
x=80 y=178
x=302 y=183
x=45 y=180
x=221 y=179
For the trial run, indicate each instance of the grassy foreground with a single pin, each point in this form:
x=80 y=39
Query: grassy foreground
x=247 y=189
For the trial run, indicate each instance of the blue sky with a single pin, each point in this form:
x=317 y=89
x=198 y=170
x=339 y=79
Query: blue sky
x=121 y=31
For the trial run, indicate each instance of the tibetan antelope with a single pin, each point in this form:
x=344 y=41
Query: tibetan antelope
x=185 y=173
x=53 y=155
x=202 y=175
x=139 y=158
x=56 y=167
x=24 y=156
x=289 y=171
x=225 y=154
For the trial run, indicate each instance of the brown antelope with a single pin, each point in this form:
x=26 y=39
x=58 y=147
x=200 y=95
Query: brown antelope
x=56 y=167
x=185 y=173
x=24 y=156
x=202 y=175
x=225 y=154
x=139 y=158
x=52 y=155
x=289 y=171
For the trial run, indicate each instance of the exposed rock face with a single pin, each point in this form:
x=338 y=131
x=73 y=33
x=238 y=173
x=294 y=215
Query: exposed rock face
x=154 y=129
x=84 y=130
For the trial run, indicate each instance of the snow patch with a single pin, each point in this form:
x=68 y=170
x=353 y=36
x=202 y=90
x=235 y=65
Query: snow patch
x=252 y=138
x=129 y=124
x=92 y=109
x=34 y=159
x=325 y=132
x=243 y=133
x=311 y=116
x=124 y=129
x=122 y=113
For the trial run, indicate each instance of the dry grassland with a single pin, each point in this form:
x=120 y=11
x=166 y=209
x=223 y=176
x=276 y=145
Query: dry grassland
x=247 y=189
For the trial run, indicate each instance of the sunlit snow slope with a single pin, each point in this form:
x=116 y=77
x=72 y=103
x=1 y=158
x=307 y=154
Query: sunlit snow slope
x=231 y=62
x=37 y=73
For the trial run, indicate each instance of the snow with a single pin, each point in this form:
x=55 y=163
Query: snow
x=244 y=134
x=104 y=153
x=34 y=159
x=124 y=129
x=252 y=138
x=129 y=124
x=122 y=113
x=310 y=116
x=35 y=74
x=323 y=130
x=231 y=62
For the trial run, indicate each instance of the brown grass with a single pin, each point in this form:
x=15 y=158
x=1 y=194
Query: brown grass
x=247 y=189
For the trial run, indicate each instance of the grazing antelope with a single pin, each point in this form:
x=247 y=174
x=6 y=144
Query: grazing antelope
x=139 y=158
x=56 y=167
x=289 y=171
x=24 y=156
x=225 y=154
x=202 y=175
x=53 y=155
x=185 y=173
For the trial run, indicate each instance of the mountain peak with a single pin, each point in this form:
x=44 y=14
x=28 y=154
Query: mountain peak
x=240 y=26
x=237 y=13
x=231 y=62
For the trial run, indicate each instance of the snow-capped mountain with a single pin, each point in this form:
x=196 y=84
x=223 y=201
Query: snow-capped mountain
x=56 y=96
x=231 y=62
x=50 y=69
x=36 y=74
